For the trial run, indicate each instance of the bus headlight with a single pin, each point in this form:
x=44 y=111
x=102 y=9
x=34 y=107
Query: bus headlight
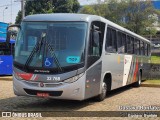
x=23 y=76
x=73 y=79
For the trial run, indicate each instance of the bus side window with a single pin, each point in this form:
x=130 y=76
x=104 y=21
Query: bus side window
x=124 y=41
x=1 y=52
x=111 y=41
x=130 y=45
x=136 y=47
x=145 y=47
x=148 y=50
x=95 y=42
x=7 y=51
x=142 y=47
x=12 y=48
x=120 y=42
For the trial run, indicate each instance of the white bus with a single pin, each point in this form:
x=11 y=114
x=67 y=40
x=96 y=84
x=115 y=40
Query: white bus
x=76 y=57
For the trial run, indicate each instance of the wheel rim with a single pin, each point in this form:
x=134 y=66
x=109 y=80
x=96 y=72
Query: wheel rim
x=139 y=81
x=104 y=89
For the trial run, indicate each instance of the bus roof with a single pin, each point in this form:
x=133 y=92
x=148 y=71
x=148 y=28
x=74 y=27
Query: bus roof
x=57 y=17
x=76 y=17
x=4 y=40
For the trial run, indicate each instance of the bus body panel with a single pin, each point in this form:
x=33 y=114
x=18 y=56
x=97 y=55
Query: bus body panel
x=114 y=64
x=93 y=80
x=6 y=64
x=123 y=74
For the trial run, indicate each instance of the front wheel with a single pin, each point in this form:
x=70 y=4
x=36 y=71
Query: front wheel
x=102 y=96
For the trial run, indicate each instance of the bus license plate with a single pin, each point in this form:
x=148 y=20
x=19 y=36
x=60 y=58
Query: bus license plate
x=42 y=94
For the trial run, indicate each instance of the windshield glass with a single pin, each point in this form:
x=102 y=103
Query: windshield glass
x=62 y=41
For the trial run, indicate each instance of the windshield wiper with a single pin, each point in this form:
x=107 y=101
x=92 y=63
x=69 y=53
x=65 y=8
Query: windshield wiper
x=37 y=48
x=51 y=49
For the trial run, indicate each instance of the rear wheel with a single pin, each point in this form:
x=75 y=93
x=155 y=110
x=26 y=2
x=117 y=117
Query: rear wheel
x=138 y=83
x=102 y=96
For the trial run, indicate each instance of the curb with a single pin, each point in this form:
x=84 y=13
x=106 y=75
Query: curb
x=6 y=78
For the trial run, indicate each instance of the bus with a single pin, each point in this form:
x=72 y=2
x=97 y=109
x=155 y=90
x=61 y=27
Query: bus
x=6 y=51
x=6 y=56
x=76 y=57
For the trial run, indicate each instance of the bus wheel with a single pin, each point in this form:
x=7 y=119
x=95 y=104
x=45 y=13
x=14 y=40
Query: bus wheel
x=138 y=83
x=102 y=96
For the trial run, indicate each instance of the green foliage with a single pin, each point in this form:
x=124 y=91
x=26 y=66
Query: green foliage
x=38 y=6
x=138 y=16
x=155 y=59
x=66 y=6
x=88 y=10
x=18 y=18
x=49 y=6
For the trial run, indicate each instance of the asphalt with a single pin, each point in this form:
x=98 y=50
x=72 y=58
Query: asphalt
x=144 y=83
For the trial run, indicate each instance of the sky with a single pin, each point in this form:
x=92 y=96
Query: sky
x=13 y=6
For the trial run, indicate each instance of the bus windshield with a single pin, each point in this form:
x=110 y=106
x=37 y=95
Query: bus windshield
x=43 y=44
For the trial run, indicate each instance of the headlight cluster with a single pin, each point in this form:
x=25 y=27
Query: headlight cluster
x=73 y=79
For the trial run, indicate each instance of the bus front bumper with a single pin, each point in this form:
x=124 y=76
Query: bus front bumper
x=70 y=91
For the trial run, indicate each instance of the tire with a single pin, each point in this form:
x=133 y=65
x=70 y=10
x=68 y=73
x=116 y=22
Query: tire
x=102 y=96
x=138 y=83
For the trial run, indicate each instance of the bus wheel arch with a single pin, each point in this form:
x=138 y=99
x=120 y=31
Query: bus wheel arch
x=108 y=81
x=106 y=86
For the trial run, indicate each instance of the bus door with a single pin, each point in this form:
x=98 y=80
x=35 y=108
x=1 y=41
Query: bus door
x=94 y=63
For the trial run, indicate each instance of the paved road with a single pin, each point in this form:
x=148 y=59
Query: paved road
x=125 y=97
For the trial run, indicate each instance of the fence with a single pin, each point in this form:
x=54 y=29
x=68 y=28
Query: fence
x=155 y=71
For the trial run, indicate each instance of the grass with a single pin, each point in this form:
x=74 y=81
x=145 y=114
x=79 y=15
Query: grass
x=155 y=59
x=153 y=82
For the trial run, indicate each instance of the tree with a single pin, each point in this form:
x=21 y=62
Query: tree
x=136 y=15
x=88 y=10
x=140 y=16
x=18 y=18
x=66 y=6
x=49 y=6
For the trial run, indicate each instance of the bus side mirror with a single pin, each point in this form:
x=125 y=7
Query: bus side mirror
x=10 y=31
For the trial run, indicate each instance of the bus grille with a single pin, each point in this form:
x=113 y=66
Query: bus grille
x=51 y=93
x=36 y=84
